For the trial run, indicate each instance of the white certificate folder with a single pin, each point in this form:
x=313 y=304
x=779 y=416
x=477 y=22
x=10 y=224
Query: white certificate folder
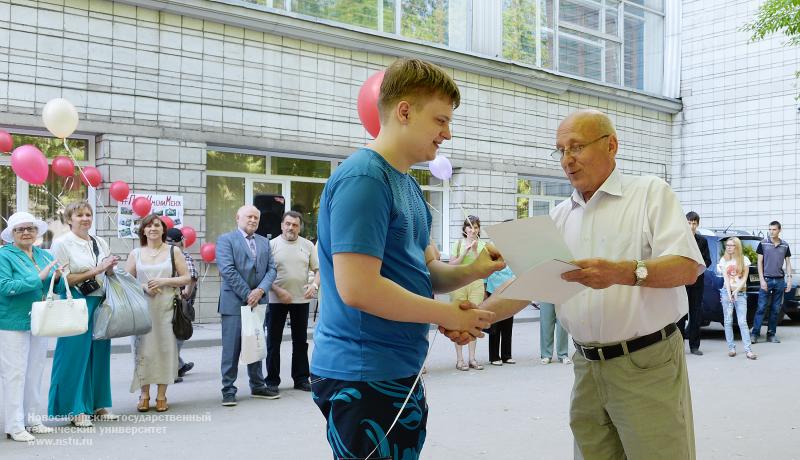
x=536 y=252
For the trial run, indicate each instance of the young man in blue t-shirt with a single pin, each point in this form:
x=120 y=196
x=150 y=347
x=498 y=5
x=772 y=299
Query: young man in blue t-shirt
x=379 y=274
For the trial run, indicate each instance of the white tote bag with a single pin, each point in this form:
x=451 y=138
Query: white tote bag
x=54 y=317
x=254 y=344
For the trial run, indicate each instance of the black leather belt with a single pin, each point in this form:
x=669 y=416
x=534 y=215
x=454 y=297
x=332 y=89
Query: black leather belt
x=615 y=351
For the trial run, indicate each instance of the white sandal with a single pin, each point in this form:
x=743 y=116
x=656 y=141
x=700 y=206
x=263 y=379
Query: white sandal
x=21 y=436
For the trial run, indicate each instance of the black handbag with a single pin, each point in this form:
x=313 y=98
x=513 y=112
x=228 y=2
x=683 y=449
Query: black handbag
x=181 y=323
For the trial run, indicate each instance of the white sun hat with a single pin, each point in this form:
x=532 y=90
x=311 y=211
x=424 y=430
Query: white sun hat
x=20 y=218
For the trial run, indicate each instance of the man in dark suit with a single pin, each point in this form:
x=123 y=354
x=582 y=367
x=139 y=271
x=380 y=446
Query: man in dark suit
x=247 y=270
x=695 y=292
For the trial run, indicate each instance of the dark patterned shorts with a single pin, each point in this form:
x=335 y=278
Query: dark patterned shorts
x=359 y=414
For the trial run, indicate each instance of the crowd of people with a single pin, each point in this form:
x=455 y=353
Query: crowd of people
x=376 y=273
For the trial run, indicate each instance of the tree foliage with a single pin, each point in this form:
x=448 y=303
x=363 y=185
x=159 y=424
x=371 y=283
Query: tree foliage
x=776 y=16
x=519 y=30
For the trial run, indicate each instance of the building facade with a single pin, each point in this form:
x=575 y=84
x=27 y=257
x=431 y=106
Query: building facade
x=219 y=102
x=735 y=155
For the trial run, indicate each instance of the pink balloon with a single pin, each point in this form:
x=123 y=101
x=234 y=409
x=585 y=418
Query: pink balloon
x=63 y=166
x=368 y=103
x=119 y=190
x=441 y=168
x=208 y=251
x=91 y=176
x=189 y=235
x=29 y=163
x=6 y=141
x=141 y=206
x=167 y=221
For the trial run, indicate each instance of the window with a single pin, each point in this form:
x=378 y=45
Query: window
x=620 y=42
x=536 y=196
x=45 y=201
x=235 y=178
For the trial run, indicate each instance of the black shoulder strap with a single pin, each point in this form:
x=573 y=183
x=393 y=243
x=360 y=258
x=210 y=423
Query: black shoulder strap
x=172 y=258
x=96 y=250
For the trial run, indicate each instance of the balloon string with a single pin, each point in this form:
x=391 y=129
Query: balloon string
x=405 y=402
x=98 y=199
x=44 y=188
x=463 y=211
x=208 y=265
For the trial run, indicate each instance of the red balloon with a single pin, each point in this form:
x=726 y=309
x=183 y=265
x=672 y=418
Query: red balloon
x=90 y=176
x=119 y=190
x=189 y=236
x=167 y=221
x=368 y=103
x=141 y=206
x=6 y=142
x=208 y=251
x=29 y=163
x=63 y=166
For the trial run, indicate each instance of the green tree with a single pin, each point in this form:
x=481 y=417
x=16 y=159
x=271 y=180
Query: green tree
x=519 y=31
x=361 y=13
x=777 y=16
x=425 y=20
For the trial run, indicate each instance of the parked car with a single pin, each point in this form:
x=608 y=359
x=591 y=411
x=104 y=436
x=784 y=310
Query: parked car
x=712 y=306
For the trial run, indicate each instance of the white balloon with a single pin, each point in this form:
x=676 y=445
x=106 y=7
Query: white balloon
x=60 y=117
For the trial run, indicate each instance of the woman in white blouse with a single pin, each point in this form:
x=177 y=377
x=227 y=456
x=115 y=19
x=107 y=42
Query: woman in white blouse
x=734 y=267
x=80 y=384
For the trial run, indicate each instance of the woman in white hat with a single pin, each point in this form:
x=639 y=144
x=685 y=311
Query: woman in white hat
x=25 y=272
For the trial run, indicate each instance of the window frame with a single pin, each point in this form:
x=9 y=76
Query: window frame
x=540 y=196
x=286 y=181
x=23 y=188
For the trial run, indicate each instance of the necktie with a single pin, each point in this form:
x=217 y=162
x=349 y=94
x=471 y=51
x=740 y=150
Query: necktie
x=251 y=241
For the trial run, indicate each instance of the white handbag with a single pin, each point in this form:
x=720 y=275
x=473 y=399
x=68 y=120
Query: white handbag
x=54 y=317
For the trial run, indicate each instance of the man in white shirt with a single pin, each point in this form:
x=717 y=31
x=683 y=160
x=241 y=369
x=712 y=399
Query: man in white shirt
x=290 y=295
x=631 y=394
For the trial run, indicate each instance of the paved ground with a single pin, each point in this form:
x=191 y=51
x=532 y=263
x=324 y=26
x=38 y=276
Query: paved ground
x=743 y=409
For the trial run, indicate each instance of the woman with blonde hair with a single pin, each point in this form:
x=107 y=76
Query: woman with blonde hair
x=734 y=267
x=80 y=384
x=156 y=353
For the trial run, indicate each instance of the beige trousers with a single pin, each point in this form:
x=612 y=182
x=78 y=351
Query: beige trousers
x=637 y=406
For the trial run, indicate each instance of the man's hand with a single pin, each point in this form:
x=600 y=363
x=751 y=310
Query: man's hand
x=764 y=285
x=311 y=291
x=471 y=320
x=788 y=284
x=283 y=295
x=489 y=261
x=459 y=337
x=254 y=296
x=600 y=273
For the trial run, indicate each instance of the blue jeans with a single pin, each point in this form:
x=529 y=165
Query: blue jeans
x=548 y=323
x=775 y=288
x=740 y=304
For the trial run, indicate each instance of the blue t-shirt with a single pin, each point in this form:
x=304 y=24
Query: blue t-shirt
x=496 y=279
x=369 y=207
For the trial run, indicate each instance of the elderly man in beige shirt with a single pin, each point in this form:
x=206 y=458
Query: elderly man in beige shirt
x=631 y=394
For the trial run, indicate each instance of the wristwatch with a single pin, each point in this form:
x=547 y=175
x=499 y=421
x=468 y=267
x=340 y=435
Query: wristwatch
x=641 y=273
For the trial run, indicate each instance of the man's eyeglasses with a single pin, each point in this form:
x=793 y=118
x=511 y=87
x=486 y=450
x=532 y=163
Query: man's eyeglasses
x=575 y=150
x=22 y=230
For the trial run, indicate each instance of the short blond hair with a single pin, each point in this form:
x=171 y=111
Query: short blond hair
x=415 y=81
x=72 y=208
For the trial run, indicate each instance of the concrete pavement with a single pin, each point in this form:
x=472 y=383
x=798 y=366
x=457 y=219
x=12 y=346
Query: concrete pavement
x=743 y=409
